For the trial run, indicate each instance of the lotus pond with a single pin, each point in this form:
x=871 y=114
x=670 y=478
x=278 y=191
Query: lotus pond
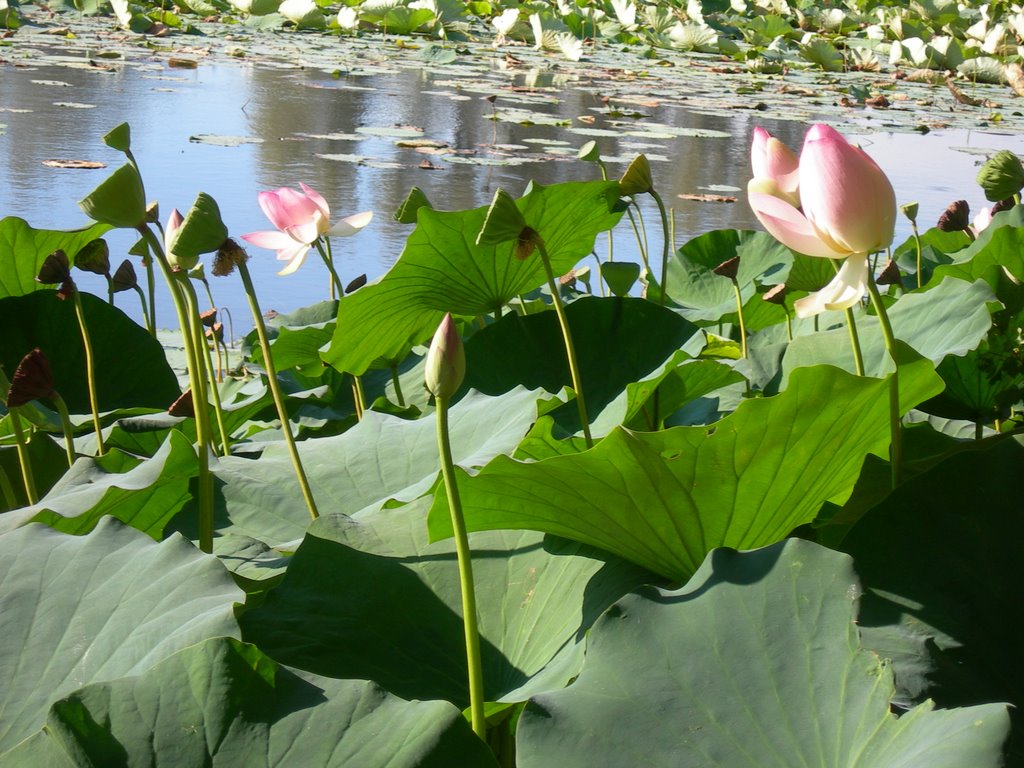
x=710 y=501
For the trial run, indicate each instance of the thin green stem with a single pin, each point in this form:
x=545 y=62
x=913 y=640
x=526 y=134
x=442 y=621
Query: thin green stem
x=397 y=385
x=567 y=336
x=665 y=245
x=275 y=390
x=110 y=290
x=145 y=314
x=90 y=373
x=323 y=246
x=739 y=313
x=917 y=245
x=896 y=445
x=643 y=228
x=196 y=381
x=10 y=500
x=221 y=367
x=203 y=354
x=600 y=277
x=151 y=287
x=469 y=614
x=789 y=326
x=851 y=327
x=65 y=423
x=639 y=241
x=27 y=478
x=360 y=395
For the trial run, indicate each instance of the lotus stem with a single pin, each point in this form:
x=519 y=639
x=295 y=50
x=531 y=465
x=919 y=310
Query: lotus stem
x=221 y=367
x=896 y=441
x=570 y=352
x=10 y=500
x=917 y=245
x=643 y=229
x=739 y=313
x=145 y=314
x=469 y=614
x=203 y=358
x=151 y=287
x=275 y=389
x=90 y=373
x=397 y=385
x=666 y=241
x=24 y=460
x=65 y=423
x=323 y=246
x=851 y=327
x=360 y=396
x=639 y=240
x=198 y=384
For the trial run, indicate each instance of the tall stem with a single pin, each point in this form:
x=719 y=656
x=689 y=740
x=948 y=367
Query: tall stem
x=739 y=313
x=917 y=244
x=323 y=246
x=896 y=445
x=639 y=240
x=27 y=479
x=151 y=288
x=90 y=373
x=198 y=385
x=570 y=352
x=10 y=500
x=666 y=241
x=275 y=390
x=65 y=423
x=398 y=385
x=145 y=314
x=851 y=327
x=469 y=615
x=203 y=355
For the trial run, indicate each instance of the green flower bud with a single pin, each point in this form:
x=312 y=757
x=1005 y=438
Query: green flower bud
x=1001 y=176
x=446 y=360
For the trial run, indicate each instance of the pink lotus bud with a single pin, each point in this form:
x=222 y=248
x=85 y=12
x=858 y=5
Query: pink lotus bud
x=446 y=360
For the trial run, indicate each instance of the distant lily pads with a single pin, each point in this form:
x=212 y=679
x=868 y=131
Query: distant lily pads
x=391 y=132
x=224 y=141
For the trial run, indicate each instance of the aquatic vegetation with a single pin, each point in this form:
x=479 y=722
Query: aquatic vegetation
x=744 y=541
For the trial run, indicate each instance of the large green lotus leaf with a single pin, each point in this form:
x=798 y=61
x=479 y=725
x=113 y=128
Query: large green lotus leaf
x=139 y=379
x=950 y=319
x=223 y=704
x=382 y=457
x=442 y=269
x=705 y=296
x=617 y=341
x=664 y=500
x=754 y=664
x=83 y=609
x=371 y=598
x=949 y=614
x=23 y=249
x=145 y=496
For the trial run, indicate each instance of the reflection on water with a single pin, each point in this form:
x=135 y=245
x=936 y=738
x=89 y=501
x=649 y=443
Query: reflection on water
x=60 y=112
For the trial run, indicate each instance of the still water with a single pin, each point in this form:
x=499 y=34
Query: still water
x=335 y=133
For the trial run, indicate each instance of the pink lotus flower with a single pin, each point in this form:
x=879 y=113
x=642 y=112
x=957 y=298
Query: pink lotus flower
x=301 y=219
x=847 y=209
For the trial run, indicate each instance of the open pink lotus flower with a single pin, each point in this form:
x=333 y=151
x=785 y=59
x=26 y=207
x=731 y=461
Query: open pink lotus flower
x=847 y=208
x=301 y=219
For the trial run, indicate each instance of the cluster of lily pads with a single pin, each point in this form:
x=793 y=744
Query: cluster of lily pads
x=742 y=519
x=769 y=36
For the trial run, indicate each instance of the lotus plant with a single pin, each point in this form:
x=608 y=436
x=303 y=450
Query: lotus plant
x=842 y=207
x=302 y=219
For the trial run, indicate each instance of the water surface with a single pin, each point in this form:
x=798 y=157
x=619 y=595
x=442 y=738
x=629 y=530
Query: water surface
x=291 y=118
